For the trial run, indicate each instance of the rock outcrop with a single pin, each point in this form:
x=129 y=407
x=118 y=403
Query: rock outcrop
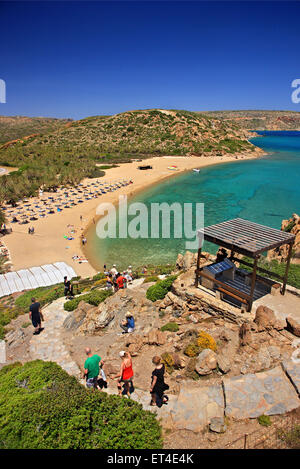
x=206 y=362
x=292 y=226
x=293 y=326
x=265 y=319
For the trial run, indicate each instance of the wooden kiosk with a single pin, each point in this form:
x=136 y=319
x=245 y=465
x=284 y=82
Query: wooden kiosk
x=251 y=240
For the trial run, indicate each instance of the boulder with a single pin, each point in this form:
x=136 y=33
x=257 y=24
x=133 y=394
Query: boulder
x=15 y=337
x=179 y=361
x=76 y=318
x=293 y=325
x=104 y=318
x=156 y=337
x=134 y=344
x=264 y=318
x=206 y=362
x=217 y=425
x=223 y=363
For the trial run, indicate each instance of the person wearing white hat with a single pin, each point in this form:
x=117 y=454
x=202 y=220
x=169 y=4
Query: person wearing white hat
x=128 y=324
x=113 y=270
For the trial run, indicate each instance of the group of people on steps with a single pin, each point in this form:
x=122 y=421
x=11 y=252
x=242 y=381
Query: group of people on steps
x=96 y=379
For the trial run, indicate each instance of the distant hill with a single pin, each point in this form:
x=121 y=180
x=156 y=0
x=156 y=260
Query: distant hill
x=70 y=151
x=15 y=127
x=259 y=120
x=145 y=133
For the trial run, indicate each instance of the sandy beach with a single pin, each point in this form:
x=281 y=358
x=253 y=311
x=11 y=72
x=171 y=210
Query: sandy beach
x=48 y=245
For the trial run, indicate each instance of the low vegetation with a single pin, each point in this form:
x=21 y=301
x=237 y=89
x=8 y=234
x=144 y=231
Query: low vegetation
x=170 y=326
x=291 y=437
x=201 y=342
x=160 y=289
x=94 y=298
x=279 y=269
x=264 y=420
x=42 y=407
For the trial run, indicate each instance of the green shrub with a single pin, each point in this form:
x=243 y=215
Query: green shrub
x=291 y=437
x=170 y=326
x=42 y=407
x=192 y=350
x=99 y=276
x=160 y=289
x=168 y=361
x=277 y=268
x=94 y=298
x=151 y=278
x=7 y=314
x=264 y=420
x=43 y=295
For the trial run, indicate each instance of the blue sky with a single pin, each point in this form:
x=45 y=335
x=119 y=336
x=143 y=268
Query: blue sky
x=76 y=59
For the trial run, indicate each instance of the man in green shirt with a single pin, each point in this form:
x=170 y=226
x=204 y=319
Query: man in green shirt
x=92 y=368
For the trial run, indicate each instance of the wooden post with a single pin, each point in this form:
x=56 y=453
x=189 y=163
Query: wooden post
x=198 y=266
x=253 y=280
x=287 y=269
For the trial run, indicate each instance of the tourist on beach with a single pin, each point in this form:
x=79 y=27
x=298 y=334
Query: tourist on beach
x=68 y=287
x=128 y=325
x=113 y=270
x=158 y=385
x=92 y=368
x=36 y=316
x=126 y=373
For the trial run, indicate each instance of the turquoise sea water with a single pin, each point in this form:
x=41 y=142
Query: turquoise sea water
x=264 y=190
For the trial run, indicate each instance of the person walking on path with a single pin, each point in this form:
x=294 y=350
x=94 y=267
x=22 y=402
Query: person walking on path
x=68 y=288
x=92 y=368
x=158 y=385
x=126 y=373
x=36 y=316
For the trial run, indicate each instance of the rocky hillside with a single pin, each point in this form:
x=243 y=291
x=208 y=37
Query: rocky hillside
x=16 y=127
x=147 y=132
x=260 y=120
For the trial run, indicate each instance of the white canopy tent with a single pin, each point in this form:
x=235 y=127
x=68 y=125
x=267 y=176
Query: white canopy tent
x=27 y=279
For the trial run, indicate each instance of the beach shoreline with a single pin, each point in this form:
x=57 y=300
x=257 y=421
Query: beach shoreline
x=48 y=244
